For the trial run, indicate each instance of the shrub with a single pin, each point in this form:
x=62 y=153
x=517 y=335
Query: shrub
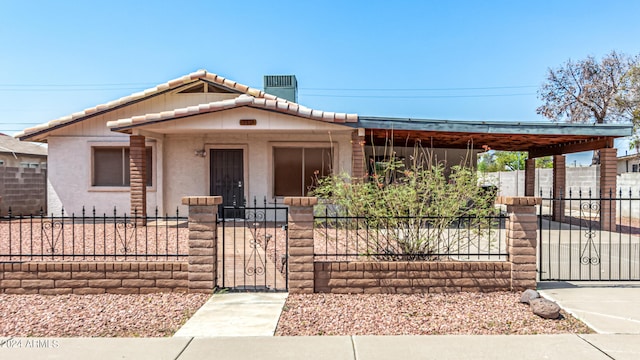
x=412 y=212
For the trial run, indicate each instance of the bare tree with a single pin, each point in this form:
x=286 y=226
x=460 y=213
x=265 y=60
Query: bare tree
x=590 y=91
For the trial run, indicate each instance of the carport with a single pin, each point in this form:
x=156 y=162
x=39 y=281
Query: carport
x=538 y=139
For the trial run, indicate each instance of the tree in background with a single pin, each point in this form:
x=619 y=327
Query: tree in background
x=632 y=97
x=492 y=161
x=590 y=91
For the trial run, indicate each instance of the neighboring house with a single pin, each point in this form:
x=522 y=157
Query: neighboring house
x=23 y=176
x=15 y=153
x=203 y=134
x=629 y=163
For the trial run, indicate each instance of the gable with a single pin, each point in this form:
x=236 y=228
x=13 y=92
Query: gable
x=96 y=125
x=222 y=86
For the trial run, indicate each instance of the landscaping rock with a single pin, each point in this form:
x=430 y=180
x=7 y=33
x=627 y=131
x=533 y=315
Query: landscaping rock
x=545 y=308
x=528 y=295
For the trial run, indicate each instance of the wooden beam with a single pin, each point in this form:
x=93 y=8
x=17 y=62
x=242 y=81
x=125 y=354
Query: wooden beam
x=573 y=147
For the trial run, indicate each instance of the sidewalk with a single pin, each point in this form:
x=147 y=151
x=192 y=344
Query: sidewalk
x=606 y=307
x=459 y=347
x=236 y=314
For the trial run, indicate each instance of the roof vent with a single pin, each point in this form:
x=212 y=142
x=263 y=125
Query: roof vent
x=282 y=86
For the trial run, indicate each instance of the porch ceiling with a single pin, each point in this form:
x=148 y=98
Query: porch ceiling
x=539 y=139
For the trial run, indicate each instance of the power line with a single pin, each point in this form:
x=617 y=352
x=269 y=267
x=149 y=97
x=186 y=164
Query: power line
x=129 y=86
x=67 y=90
x=418 y=96
x=71 y=85
x=424 y=89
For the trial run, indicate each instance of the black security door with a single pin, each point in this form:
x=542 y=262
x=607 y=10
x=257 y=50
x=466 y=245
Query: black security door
x=227 y=179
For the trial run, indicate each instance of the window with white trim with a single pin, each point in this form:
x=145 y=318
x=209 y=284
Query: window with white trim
x=111 y=166
x=296 y=168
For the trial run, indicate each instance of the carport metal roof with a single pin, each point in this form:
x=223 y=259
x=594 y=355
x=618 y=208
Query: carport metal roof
x=538 y=138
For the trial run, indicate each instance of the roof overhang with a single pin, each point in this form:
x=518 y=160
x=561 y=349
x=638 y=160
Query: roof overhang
x=40 y=132
x=272 y=105
x=538 y=138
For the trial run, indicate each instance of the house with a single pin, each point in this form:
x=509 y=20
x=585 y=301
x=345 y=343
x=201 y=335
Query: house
x=22 y=176
x=203 y=134
x=15 y=153
x=629 y=163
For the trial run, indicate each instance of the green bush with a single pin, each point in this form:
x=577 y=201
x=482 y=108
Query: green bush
x=415 y=211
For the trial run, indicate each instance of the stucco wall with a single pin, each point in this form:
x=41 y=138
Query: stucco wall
x=177 y=170
x=10 y=160
x=69 y=183
x=187 y=174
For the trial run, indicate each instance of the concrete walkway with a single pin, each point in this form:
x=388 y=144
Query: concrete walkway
x=521 y=347
x=236 y=314
x=606 y=307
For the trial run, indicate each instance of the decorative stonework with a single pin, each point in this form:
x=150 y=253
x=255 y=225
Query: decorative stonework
x=203 y=242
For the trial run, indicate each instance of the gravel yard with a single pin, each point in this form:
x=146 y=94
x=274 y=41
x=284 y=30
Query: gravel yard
x=105 y=315
x=429 y=314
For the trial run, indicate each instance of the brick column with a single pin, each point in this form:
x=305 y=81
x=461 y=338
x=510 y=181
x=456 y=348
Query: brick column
x=522 y=230
x=138 y=177
x=608 y=188
x=203 y=242
x=358 y=162
x=300 y=269
x=530 y=177
x=559 y=187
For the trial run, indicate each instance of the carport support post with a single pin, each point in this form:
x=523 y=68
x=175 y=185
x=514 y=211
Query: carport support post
x=530 y=177
x=522 y=230
x=300 y=251
x=203 y=242
x=608 y=188
x=559 y=184
x=358 y=164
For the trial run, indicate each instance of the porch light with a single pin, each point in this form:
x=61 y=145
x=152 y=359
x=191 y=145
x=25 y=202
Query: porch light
x=200 y=153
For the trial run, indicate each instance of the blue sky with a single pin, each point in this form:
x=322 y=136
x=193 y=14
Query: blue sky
x=466 y=60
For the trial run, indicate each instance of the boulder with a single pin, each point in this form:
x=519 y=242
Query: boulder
x=528 y=295
x=545 y=308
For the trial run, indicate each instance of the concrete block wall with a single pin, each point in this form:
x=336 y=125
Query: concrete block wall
x=24 y=190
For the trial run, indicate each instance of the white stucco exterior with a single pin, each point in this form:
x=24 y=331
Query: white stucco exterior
x=177 y=169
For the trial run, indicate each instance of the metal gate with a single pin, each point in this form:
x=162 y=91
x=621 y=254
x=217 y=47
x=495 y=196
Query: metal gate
x=589 y=241
x=252 y=248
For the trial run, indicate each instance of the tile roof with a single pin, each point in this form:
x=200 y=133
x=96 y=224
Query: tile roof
x=135 y=97
x=277 y=105
x=10 y=145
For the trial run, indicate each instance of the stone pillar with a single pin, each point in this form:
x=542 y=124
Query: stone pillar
x=300 y=269
x=530 y=177
x=358 y=161
x=559 y=187
x=522 y=239
x=608 y=188
x=203 y=242
x=138 y=178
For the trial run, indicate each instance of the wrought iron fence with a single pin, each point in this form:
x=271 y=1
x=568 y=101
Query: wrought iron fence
x=589 y=235
x=90 y=236
x=252 y=247
x=409 y=238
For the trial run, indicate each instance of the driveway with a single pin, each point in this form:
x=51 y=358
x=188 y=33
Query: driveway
x=606 y=307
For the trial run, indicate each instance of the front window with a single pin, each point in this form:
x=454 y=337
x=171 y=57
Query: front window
x=295 y=169
x=111 y=166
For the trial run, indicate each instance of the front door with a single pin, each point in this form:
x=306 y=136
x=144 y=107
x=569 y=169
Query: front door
x=227 y=179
